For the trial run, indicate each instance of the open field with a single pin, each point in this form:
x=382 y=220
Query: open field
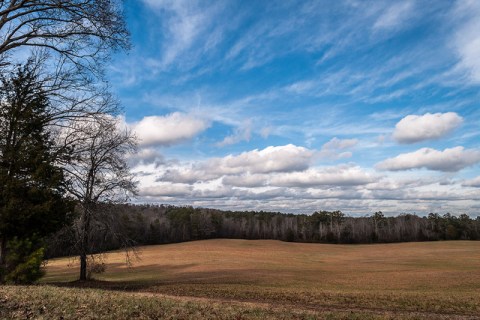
x=260 y=279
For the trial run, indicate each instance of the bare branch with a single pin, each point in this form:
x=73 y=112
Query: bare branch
x=83 y=31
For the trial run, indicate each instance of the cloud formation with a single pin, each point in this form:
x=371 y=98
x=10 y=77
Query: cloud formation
x=242 y=133
x=342 y=175
x=467 y=39
x=286 y=158
x=271 y=159
x=336 y=176
x=185 y=22
x=336 y=148
x=246 y=180
x=395 y=15
x=145 y=156
x=167 y=130
x=448 y=160
x=414 y=128
x=475 y=182
x=359 y=67
x=167 y=190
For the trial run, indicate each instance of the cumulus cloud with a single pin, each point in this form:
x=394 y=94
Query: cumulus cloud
x=167 y=130
x=448 y=160
x=166 y=190
x=414 y=128
x=475 y=182
x=187 y=174
x=145 y=156
x=246 y=180
x=418 y=195
x=342 y=175
x=271 y=159
x=335 y=148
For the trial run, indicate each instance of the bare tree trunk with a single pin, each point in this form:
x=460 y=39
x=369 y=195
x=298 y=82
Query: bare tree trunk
x=3 y=253
x=83 y=266
x=85 y=227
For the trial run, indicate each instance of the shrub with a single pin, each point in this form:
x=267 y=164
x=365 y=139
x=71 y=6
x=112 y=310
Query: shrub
x=23 y=261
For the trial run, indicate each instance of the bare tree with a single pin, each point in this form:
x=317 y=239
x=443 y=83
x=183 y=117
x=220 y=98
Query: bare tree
x=69 y=42
x=97 y=174
x=83 y=32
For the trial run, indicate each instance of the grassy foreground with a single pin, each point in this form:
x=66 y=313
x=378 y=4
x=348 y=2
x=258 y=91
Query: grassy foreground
x=241 y=279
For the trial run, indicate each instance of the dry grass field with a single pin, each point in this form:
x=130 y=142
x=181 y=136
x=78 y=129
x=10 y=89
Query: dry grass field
x=242 y=279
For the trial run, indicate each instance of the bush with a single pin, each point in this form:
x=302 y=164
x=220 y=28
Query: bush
x=23 y=261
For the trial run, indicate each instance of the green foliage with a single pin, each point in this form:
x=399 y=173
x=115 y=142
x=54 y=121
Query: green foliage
x=32 y=202
x=31 y=185
x=23 y=261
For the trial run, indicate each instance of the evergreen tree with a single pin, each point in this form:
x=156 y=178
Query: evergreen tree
x=32 y=202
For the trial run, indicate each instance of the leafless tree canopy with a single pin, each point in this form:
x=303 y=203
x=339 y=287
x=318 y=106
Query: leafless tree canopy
x=96 y=173
x=83 y=32
x=98 y=170
x=68 y=42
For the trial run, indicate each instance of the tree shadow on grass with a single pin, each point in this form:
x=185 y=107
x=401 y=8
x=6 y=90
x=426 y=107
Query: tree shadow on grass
x=174 y=275
x=122 y=285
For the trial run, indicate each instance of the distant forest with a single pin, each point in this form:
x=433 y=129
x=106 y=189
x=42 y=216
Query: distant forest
x=129 y=225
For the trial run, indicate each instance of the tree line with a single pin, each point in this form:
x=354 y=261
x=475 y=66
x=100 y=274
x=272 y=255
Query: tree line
x=160 y=224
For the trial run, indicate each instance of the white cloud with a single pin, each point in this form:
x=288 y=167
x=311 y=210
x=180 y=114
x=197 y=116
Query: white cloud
x=246 y=180
x=145 y=156
x=301 y=87
x=336 y=144
x=184 y=21
x=166 y=190
x=467 y=38
x=265 y=132
x=349 y=188
x=167 y=130
x=271 y=159
x=415 y=128
x=448 y=160
x=242 y=133
x=475 y=182
x=335 y=148
x=342 y=175
x=188 y=174
x=395 y=16
x=285 y=166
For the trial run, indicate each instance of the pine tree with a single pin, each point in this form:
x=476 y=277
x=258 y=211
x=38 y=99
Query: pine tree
x=32 y=202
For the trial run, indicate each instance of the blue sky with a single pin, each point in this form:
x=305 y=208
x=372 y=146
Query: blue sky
x=298 y=106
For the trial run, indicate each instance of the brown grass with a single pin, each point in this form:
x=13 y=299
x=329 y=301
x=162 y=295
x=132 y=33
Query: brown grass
x=430 y=279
